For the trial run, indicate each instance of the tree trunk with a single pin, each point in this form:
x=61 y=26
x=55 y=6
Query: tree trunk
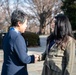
x=41 y=30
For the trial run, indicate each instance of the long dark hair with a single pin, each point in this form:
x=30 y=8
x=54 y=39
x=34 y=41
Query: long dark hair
x=62 y=27
x=62 y=30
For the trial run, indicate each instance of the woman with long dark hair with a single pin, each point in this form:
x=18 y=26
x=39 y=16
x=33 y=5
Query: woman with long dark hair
x=60 y=53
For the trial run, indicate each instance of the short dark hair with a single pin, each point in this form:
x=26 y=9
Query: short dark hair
x=18 y=15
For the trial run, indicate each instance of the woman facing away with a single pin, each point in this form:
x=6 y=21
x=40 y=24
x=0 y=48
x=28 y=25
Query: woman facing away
x=60 y=52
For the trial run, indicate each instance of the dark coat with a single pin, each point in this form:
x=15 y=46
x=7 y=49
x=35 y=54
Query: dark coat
x=15 y=54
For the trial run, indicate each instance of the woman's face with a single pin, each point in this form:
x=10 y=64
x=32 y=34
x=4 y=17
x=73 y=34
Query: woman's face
x=52 y=25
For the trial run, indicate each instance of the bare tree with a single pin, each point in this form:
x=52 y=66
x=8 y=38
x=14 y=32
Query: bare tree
x=39 y=10
x=42 y=10
x=6 y=7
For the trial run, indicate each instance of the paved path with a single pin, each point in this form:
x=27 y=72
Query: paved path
x=36 y=69
x=33 y=69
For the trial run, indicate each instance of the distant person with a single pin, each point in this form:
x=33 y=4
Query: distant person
x=14 y=47
x=60 y=52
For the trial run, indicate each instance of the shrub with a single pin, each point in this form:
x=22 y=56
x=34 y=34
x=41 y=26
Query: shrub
x=31 y=39
x=1 y=38
x=0 y=41
x=75 y=35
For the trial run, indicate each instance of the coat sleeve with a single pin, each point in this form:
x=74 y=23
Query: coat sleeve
x=70 y=56
x=21 y=50
x=43 y=55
